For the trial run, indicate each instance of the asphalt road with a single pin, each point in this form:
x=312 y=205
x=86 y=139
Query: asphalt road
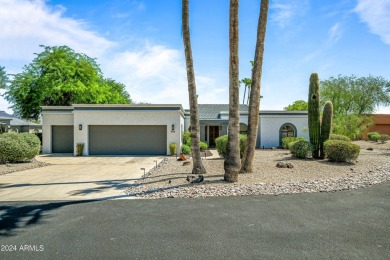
x=340 y=225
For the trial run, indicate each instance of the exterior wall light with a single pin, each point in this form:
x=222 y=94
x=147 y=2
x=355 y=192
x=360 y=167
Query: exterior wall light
x=173 y=127
x=80 y=127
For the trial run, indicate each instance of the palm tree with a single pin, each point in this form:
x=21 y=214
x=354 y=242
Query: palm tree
x=247 y=84
x=232 y=162
x=254 y=103
x=198 y=167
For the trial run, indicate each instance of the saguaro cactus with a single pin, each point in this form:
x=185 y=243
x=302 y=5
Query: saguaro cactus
x=314 y=113
x=326 y=126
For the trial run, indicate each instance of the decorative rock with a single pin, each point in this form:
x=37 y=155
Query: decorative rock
x=190 y=178
x=186 y=163
x=284 y=165
x=199 y=179
x=370 y=149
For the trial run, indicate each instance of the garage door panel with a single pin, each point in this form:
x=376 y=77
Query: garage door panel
x=127 y=140
x=62 y=139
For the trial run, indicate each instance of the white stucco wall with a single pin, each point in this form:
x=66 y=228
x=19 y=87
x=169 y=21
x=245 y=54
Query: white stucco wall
x=50 y=118
x=126 y=117
x=270 y=128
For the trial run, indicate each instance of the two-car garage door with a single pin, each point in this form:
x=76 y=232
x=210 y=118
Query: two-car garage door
x=127 y=139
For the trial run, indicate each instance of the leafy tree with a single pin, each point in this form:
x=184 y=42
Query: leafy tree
x=299 y=105
x=254 y=102
x=354 y=100
x=247 y=84
x=232 y=163
x=60 y=76
x=3 y=78
x=198 y=167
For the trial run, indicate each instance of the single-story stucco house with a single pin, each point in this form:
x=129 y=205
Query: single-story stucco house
x=149 y=129
x=15 y=124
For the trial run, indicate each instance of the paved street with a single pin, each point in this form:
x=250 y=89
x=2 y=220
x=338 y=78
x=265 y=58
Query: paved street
x=76 y=178
x=340 y=225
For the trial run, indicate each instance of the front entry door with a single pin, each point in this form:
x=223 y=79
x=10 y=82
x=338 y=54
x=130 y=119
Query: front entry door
x=214 y=134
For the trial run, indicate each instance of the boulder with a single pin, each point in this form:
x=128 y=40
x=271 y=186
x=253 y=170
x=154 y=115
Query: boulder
x=284 y=165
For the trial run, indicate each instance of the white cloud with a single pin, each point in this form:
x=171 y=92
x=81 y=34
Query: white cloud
x=152 y=73
x=27 y=24
x=283 y=11
x=335 y=33
x=376 y=14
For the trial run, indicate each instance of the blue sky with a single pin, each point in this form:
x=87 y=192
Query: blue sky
x=139 y=43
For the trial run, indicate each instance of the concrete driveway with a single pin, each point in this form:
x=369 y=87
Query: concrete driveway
x=75 y=178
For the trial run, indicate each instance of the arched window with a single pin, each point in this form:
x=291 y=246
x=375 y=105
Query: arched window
x=287 y=130
x=243 y=129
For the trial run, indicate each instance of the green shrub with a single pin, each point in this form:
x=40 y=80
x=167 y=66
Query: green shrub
x=287 y=140
x=290 y=145
x=33 y=143
x=186 y=138
x=203 y=146
x=339 y=137
x=341 y=151
x=185 y=149
x=172 y=148
x=301 y=149
x=18 y=147
x=221 y=144
x=79 y=149
x=374 y=136
x=370 y=134
x=383 y=138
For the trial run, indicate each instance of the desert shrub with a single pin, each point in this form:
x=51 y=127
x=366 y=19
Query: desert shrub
x=301 y=149
x=341 y=151
x=383 y=138
x=221 y=144
x=79 y=149
x=290 y=145
x=185 y=149
x=374 y=136
x=18 y=147
x=203 y=146
x=287 y=140
x=33 y=143
x=186 y=138
x=339 y=137
x=172 y=148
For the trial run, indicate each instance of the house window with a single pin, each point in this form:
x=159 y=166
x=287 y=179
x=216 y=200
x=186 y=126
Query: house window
x=287 y=130
x=243 y=129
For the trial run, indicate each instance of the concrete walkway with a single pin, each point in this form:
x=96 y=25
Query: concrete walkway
x=75 y=178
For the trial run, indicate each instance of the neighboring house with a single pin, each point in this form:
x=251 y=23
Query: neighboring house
x=381 y=125
x=149 y=129
x=16 y=124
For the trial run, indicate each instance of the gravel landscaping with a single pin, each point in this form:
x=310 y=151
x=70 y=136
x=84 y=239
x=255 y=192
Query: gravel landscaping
x=16 y=167
x=169 y=179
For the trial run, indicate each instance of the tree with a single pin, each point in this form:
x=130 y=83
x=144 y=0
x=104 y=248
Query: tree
x=354 y=100
x=60 y=76
x=298 y=105
x=254 y=102
x=3 y=78
x=232 y=161
x=198 y=167
x=247 y=84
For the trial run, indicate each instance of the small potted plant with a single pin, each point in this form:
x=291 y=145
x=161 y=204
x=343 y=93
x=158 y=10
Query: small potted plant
x=79 y=149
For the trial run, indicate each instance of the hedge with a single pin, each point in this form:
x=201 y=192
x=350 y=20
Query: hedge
x=221 y=143
x=341 y=151
x=287 y=140
x=301 y=149
x=16 y=147
x=339 y=137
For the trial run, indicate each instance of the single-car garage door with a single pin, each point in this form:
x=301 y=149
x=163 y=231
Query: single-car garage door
x=128 y=140
x=62 y=138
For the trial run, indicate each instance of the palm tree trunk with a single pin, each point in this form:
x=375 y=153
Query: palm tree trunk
x=232 y=162
x=198 y=167
x=254 y=103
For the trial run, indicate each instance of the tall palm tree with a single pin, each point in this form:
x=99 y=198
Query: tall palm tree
x=198 y=167
x=232 y=162
x=247 y=84
x=254 y=103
